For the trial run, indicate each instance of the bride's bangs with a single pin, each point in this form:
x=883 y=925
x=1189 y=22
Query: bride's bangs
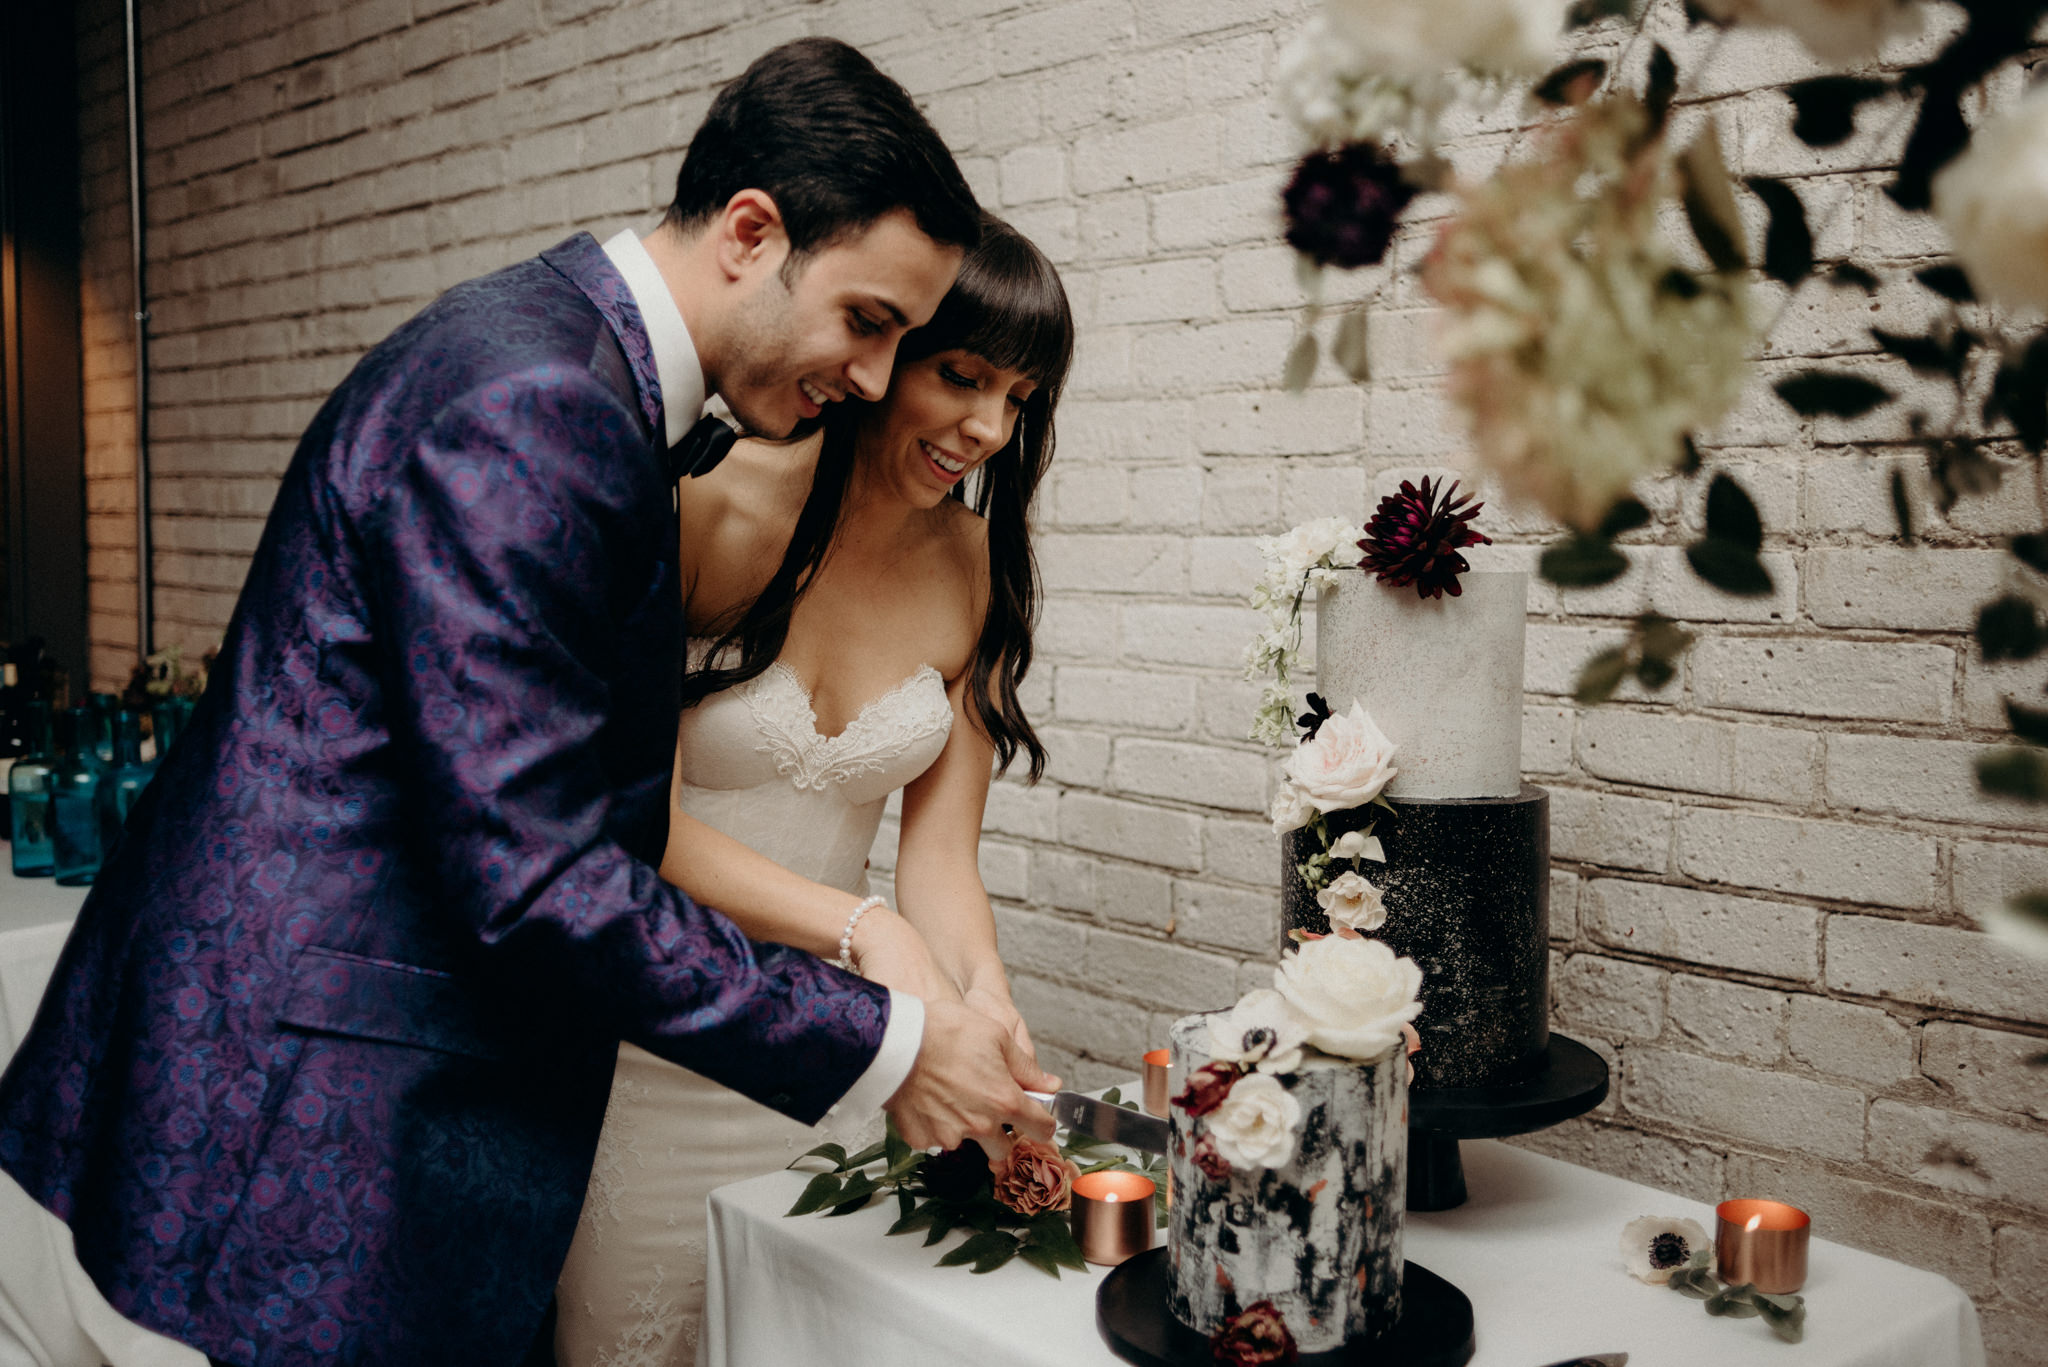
x=1007 y=307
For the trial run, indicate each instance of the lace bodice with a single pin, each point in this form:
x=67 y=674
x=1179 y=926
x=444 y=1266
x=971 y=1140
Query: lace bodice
x=753 y=764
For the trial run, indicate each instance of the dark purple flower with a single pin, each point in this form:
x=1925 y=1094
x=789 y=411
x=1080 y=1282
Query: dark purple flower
x=1414 y=538
x=1343 y=206
x=1312 y=720
x=957 y=1174
x=1253 y=1337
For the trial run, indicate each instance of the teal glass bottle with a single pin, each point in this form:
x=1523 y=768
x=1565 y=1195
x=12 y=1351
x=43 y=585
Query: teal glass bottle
x=28 y=797
x=74 y=803
x=105 y=707
x=124 y=782
x=167 y=721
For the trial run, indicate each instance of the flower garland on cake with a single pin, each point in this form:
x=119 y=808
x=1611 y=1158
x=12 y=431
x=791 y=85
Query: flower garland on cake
x=1344 y=997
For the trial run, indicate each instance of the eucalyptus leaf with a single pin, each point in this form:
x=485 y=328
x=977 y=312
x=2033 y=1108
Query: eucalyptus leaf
x=1831 y=393
x=821 y=1191
x=1787 y=1322
x=1600 y=676
x=859 y=1188
x=1301 y=363
x=1114 y=1096
x=1582 y=562
x=1730 y=567
x=1347 y=347
x=1732 y=1301
x=1788 y=241
x=1710 y=202
x=2018 y=772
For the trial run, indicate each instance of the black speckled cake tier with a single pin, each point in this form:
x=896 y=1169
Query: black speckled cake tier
x=1467 y=888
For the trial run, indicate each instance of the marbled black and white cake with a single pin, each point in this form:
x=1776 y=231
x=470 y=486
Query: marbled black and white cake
x=1466 y=877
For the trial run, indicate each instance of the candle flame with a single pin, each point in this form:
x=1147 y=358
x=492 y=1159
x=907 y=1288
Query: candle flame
x=1754 y=1221
x=1110 y=1197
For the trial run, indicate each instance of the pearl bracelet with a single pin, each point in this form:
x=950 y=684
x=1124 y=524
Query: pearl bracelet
x=845 y=959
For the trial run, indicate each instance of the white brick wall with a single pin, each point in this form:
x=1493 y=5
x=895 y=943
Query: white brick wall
x=1763 y=876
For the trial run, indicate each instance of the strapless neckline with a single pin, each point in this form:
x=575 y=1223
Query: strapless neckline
x=866 y=709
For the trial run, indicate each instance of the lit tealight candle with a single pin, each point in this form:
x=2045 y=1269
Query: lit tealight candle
x=1156 y=1064
x=1112 y=1216
x=1761 y=1244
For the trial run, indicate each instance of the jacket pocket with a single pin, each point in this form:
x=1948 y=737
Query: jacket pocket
x=339 y=993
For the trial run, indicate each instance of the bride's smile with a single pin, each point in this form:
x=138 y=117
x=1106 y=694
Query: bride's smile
x=945 y=415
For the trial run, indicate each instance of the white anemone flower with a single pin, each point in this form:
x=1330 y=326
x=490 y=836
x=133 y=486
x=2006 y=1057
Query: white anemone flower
x=1656 y=1246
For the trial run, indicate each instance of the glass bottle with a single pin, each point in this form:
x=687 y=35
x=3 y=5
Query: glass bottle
x=105 y=707
x=74 y=803
x=168 y=720
x=124 y=782
x=28 y=793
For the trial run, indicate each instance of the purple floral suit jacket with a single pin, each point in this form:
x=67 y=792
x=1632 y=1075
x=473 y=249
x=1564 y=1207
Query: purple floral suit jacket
x=319 y=1076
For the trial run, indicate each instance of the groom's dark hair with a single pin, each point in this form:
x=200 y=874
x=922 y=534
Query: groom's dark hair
x=835 y=142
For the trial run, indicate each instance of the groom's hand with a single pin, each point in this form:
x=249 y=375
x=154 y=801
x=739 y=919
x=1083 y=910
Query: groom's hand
x=968 y=1082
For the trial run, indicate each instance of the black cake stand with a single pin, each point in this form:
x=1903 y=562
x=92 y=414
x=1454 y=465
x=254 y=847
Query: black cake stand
x=1572 y=1081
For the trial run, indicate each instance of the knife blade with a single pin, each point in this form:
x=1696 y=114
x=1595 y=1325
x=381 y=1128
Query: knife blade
x=1597 y=1360
x=1106 y=1121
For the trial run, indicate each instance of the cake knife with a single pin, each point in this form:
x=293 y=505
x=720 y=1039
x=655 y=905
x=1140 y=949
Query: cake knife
x=1597 y=1360
x=1105 y=1120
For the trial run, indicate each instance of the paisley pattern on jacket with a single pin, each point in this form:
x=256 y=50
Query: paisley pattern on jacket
x=320 y=1073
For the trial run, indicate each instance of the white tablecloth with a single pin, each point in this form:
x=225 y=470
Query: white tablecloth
x=1535 y=1249
x=35 y=917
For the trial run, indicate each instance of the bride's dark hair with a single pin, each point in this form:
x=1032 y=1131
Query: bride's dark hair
x=1009 y=308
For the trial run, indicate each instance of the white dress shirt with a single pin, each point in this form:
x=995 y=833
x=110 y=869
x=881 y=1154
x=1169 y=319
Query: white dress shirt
x=683 y=394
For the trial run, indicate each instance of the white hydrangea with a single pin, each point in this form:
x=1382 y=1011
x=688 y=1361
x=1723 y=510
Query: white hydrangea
x=1994 y=202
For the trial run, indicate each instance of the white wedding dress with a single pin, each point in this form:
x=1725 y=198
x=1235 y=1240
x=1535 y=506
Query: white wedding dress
x=752 y=764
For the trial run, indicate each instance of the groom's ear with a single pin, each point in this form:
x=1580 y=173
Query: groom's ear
x=750 y=239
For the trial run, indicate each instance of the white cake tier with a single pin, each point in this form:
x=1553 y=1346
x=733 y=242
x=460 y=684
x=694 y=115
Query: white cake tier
x=1442 y=677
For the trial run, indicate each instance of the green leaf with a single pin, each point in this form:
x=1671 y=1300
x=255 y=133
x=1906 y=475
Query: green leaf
x=1710 y=202
x=1054 y=1232
x=854 y=1195
x=1786 y=1315
x=1788 y=241
x=1829 y=393
x=1849 y=275
x=2015 y=773
x=1825 y=107
x=2009 y=628
x=919 y=1218
x=1347 y=347
x=2028 y=723
x=2032 y=549
x=1950 y=282
x=1626 y=515
x=1902 y=506
x=1732 y=514
x=1695 y=1282
x=895 y=1149
x=821 y=1191
x=988 y=1251
x=1114 y=1095
x=1040 y=1259
x=1571 y=84
x=868 y=1154
x=1600 y=676
x=1730 y=567
x=943 y=1220
x=1301 y=363
x=831 y=1153
x=1582 y=562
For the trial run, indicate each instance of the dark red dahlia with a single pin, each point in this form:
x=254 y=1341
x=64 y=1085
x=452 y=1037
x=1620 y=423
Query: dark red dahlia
x=1253 y=1337
x=1343 y=206
x=1207 y=1086
x=1414 y=538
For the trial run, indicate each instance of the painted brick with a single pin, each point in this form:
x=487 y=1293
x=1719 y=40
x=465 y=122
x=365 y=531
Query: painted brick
x=1157 y=292
x=1900 y=590
x=1217 y=215
x=1090 y=495
x=2023 y=1265
x=1662 y=750
x=1690 y=1170
x=1987 y=874
x=1228 y=355
x=1960 y=1154
x=1720 y=1017
x=1274 y=423
x=1749 y=1104
x=1065 y=881
x=1229 y=919
x=1028 y=813
x=1869 y=681
x=1308 y=492
x=1244 y=851
x=1112 y=564
x=1962 y=970
x=1150 y=155
x=1209 y=636
x=1134 y=896
x=1082 y=1021
x=1152 y=970
x=1046 y=946
x=1986 y=1070
x=1564 y=906
x=1547 y=740
x=1198 y=774
x=1859 y=1042
x=1005 y=870
x=1811 y=858
x=1614 y=999
x=1031 y=174
x=1611 y=830
x=1139 y=700
x=1166 y=496
x=1130 y=829
x=1935 y=780
x=1223 y=566
x=1240 y=498
x=1076 y=628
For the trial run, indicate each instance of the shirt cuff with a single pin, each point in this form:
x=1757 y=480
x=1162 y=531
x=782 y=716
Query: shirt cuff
x=901 y=1041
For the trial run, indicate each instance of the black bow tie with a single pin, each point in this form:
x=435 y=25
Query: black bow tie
x=701 y=448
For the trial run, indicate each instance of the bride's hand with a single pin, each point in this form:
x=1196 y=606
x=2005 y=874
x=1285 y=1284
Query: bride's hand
x=994 y=1002
x=887 y=949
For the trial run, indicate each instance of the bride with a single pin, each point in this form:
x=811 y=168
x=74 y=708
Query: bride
x=859 y=626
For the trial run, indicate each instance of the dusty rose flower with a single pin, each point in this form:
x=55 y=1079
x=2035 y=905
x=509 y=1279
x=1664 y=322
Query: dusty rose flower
x=1206 y=1088
x=1352 y=903
x=1212 y=1163
x=957 y=1174
x=1254 y=1337
x=1035 y=1178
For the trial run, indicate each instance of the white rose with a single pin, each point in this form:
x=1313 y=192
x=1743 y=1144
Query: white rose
x=1358 y=845
x=1291 y=809
x=1347 y=763
x=1260 y=1030
x=1354 y=995
x=1254 y=1127
x=1994 y=202
x=1353 y=903
x=1833 y=30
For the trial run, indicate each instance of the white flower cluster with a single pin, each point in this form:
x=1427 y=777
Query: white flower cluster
x=1833 y=30
x=1581 y=355
x=1349 y=998
x=1298 y=566
x=1994 y=202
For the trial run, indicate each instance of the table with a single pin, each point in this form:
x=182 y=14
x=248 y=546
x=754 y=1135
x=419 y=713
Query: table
x=35 y=918
x=1535 y=1248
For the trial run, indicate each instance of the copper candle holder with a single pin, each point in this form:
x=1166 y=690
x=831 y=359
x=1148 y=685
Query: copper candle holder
x=1112 y=1216
x=1761 y=1244
x=1156 y=1064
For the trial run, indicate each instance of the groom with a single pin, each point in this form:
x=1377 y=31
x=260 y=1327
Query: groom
x=319 y=1076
